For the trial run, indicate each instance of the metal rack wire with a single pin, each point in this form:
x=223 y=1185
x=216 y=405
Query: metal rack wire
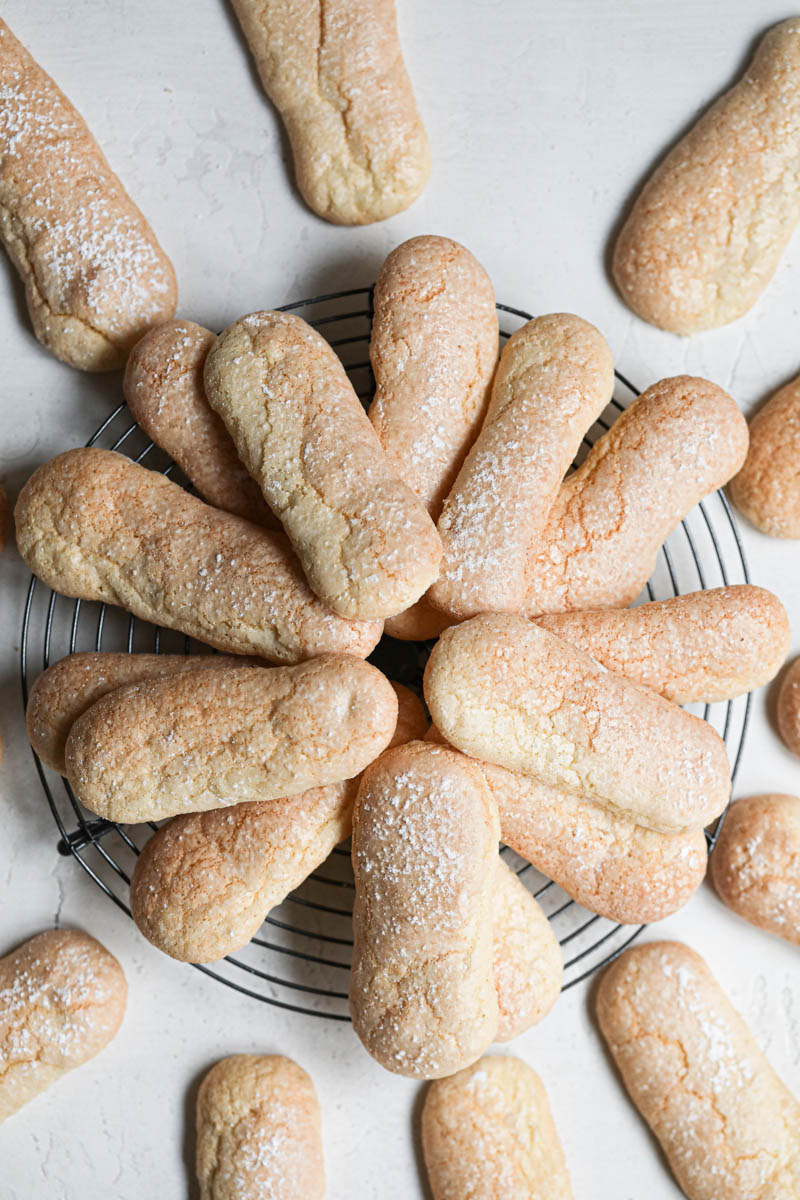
x=299 y=959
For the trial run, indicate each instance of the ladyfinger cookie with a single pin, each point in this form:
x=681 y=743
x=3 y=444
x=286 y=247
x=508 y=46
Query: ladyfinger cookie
x=727 y=1124
x=527 y=963
x=210 y=739
x=709 y=227
x=555 y=377
x=163 y=387
x=488 y=1134
x=94 y=525
x=767 y=489
x=705 y=646
x=67 y=689
x=502 y=689
x=601 y=859
x=62 y=1000
x=259 y=1131
x=788 y=708
x=95 y=276
x=755 y=865
x=433 y=350
x=680 y=440
x=335 y=72
x=366 y=543
x=205 y=882
x=425 y=834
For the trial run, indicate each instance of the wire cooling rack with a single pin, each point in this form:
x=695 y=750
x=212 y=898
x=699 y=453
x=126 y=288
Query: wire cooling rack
x=300 y=957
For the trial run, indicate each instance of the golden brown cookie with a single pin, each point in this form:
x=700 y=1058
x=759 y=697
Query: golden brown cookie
x=555 y=377
x=65 y=690
x=95 y=276
x=755 y=865
x=164 y=390
x=425 y=833
x=706 y=646
x=259 y=1131
x=366 y=543
x=335 y=72
x=602 y=859
x=710 y=225
x=527 y=963
x=94 y=525
x=680 y=440
x=488 y=1134
x=211 y=739
x=433 y=350
x=767 y=489
x=205 y=882
x=62 y=1000
x=502 y=689
x=727 y=1124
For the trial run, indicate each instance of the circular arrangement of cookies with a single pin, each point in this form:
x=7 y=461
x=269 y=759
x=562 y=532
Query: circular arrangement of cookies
x=455 y=513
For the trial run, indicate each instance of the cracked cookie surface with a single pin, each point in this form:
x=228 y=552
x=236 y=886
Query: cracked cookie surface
x=334 y=70
x=727 y=1124
x=95 y=276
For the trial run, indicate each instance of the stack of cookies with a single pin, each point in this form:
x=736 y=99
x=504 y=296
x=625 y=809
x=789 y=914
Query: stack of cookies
x=444 y=512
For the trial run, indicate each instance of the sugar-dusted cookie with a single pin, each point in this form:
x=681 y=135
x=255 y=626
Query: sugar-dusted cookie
x=727 y=1124
x=755 y=865
x=501 y=688
x=488 y=1134
x=709 y=227
x=211 y=739
x=164 y=390
x=94 y=525
x=62 y=1000
x=259 y=1131
x=707 y=646
x=680 y=440
x=366 y=543
x=425 y=834
x=95 y=276
x=555 y=377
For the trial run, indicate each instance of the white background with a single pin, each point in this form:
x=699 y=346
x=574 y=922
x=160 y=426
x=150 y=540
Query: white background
x=542 y=118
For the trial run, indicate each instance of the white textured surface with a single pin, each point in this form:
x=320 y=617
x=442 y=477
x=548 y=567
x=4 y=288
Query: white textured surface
x=542 y=117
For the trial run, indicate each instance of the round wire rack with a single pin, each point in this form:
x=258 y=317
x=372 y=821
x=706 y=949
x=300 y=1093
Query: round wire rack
x=299 y=959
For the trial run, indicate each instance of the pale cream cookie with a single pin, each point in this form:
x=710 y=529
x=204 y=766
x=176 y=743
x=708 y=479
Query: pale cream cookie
x=366 y=543
x=334 y=70
x=211 y=739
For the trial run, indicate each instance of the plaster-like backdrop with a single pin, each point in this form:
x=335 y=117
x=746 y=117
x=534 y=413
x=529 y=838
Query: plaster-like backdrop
x=542 y=118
